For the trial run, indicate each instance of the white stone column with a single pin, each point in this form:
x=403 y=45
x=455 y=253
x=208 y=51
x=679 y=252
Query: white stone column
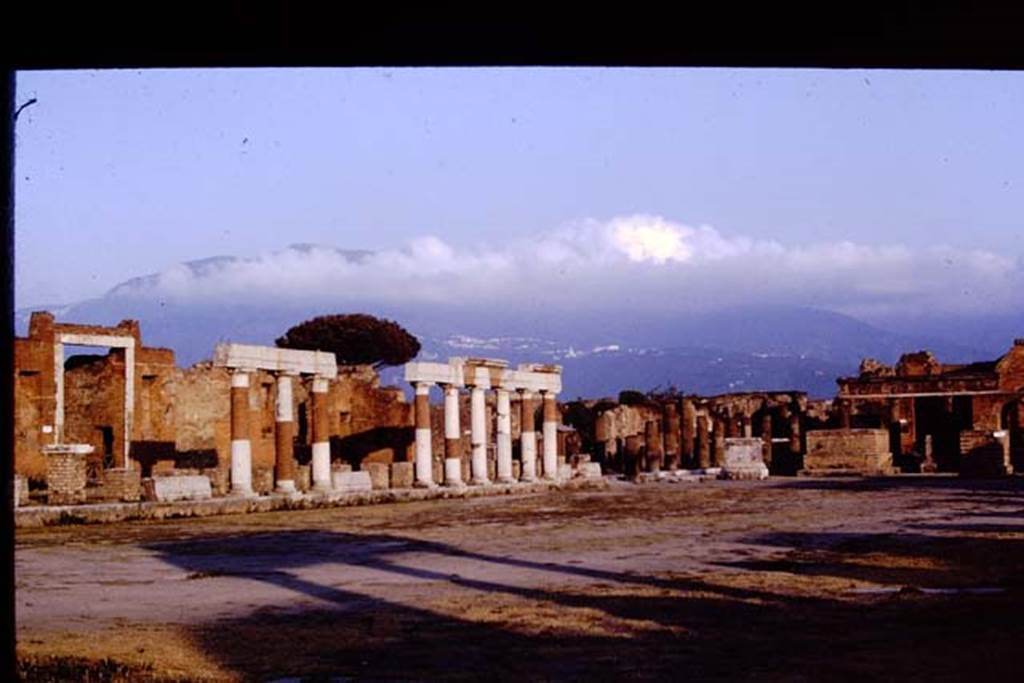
x=241 y=449
x=424 y=467
x=504 y=439
x=284 y=435
x=321 y=469
x=528 y=437
x=452 y=437
x=478 y=436
x=550 y=427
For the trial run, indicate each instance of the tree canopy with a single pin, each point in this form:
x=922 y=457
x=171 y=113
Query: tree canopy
x=354 y=339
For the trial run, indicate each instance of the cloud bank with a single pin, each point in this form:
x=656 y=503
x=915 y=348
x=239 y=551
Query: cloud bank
x=641 y=263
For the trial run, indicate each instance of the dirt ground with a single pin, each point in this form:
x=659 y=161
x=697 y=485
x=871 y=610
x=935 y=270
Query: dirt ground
x=910 y=578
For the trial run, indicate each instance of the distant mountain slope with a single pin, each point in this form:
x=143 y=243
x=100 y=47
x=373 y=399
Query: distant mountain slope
x=729 y=350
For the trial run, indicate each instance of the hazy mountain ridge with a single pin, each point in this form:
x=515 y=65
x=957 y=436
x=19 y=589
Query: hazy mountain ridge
x=734 y=349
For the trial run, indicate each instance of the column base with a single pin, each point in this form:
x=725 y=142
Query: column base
x=242 y=493
x=285 y=486
x=479 y=482
x=321 y=487
x=505 y=480
x=424 y=485
x=527 y=479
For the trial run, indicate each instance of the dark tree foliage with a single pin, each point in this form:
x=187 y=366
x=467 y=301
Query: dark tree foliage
x=632 y=397
x=669 y=393
x=354 y=339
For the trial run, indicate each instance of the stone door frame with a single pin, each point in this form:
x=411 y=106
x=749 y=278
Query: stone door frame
x=103 y=340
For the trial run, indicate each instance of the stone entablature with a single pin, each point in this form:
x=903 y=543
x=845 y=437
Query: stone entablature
x=480 y=375
x=895 y=387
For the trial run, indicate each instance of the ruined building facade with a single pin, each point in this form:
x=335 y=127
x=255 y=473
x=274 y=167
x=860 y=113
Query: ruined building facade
x=138 y=410
x=939 y=412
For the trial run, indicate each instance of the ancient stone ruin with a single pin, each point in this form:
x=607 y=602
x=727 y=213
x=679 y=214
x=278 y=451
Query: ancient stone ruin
x=130 y=425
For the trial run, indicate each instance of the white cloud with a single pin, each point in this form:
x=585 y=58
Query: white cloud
x=635 y=262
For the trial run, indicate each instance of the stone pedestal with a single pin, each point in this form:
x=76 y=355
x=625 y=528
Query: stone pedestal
x=380 y=474
x=122 y=484
x=743 y=459
x=401 y=475
x=178 y=487
x=351 y=482
x=66 y=473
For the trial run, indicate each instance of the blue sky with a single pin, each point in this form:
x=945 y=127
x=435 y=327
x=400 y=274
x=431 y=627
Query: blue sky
x=902 y=180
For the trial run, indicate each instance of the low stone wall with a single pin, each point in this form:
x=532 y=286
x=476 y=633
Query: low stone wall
x=118 y=512
x=847 y=452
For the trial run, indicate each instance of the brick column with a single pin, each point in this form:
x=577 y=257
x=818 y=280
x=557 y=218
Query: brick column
x=794 y=433
x=528 y=436
x=424 y=458
x=732 y=427
x=689 y=450
x=845 y=409
x=241 y=448
x=631 y=456
x=672 y=425
x=703 y=447
x=284 y=435
x=766 y=438
x=452 y=436
x=321 y=464
x=478 y=436
x=652 y=441
x=717 y=441
x=550 y=427
x=504 y=439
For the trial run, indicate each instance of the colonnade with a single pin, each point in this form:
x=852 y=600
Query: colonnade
x=692 y=433
x=286 y=364
x=480 y=375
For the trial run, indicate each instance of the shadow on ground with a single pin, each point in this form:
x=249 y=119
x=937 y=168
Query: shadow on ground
x=617 y=626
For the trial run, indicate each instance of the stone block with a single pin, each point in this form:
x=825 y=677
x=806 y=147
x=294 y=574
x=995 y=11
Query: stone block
x=263 y=480
x=744 y=459
x=122 y=484
x=351 y=482
x=590 y=470
x=66 y=473
x=340 y=467
x=847 y=451
x=985 y=454
x=402 y=475
x=564 y=472
x=181 y=487
x=20 y=484
x=380 y=474
x=219 y=479
x=303 y=477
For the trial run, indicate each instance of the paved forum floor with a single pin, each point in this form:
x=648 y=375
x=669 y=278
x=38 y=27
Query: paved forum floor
x=808 y=580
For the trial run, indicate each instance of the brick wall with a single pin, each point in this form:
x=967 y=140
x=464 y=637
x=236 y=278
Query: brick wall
x=65 y=478
x=848 y=450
